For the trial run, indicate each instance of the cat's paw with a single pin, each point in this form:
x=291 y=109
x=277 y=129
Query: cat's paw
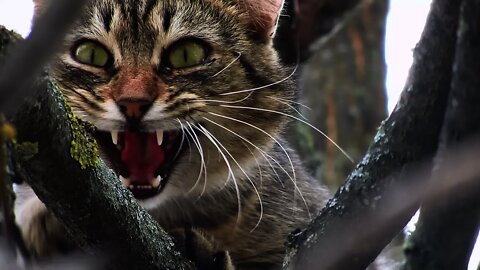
x=42 y=233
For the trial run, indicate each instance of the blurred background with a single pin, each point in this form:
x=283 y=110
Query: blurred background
x=351 y=76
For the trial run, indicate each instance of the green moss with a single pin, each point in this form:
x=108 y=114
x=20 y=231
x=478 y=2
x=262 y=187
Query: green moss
x=83 y=148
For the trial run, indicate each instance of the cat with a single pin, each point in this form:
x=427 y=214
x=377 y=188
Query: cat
x=190 y=103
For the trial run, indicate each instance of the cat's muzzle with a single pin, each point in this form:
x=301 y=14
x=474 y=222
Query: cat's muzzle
x=142 y=160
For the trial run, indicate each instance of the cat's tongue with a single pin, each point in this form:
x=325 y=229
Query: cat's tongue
x=142 y=155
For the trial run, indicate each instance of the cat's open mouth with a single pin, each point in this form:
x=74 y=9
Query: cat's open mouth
x=143 y=160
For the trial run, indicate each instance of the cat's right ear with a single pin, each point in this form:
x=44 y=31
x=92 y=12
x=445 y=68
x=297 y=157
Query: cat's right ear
x=262 y=16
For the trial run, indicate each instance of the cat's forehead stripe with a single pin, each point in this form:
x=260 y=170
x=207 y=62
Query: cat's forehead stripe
x=149 y=7
x=107 y=17
x=167 y=19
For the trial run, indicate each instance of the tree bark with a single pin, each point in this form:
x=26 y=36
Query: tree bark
x=407 y=137
x=446 y=231
x=67 y=175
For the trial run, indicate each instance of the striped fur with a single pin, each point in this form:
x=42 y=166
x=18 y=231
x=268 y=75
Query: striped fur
x=240 y=97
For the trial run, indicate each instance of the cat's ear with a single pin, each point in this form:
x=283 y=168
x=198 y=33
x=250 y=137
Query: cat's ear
x=263 y=16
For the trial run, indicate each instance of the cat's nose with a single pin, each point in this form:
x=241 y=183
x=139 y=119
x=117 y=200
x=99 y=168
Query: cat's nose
x=134 y=109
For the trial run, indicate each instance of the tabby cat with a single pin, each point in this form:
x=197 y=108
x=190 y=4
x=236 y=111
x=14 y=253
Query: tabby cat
x=189 y=102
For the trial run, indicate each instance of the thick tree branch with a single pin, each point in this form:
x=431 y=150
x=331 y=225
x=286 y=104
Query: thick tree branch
x=447 y=228
x=99 y=214
x=408 y=136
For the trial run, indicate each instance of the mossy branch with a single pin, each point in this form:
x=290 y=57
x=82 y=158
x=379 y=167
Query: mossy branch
x=66 y=174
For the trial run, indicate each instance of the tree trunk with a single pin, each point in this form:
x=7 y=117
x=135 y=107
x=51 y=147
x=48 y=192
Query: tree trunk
x=371 y=198
x=447 y=228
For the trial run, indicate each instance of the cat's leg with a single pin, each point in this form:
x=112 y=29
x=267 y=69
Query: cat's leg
x=42 y=233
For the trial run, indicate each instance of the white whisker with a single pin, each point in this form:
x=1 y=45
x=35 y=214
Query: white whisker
x=264 y=86
x=203 y=167
x=298 y=119
x=227 y=163
x=229 y=65
x=291 y=107
x=225 y=101
x=292 y=102
x=294 y=179
x=246 y=175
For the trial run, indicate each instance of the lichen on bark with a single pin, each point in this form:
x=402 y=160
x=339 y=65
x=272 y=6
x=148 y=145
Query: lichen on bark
x=83 y=148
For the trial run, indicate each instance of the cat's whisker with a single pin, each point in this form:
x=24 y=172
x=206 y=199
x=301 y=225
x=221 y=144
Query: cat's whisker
x=242 y=170
x=260 y=174
x=293 y=179
x=291 y=107
x=182 y=128
x=231 y=175
x=188 y=131
x=224 y=101
x=292 y=102
x=264 y=132
x=229 y=65
x=203 y=167
x=297 y=119
x=264 y=86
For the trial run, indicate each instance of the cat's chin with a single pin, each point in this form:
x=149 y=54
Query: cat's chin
x=143 y=160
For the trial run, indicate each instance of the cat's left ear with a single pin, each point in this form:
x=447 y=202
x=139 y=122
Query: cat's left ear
x=263 y=16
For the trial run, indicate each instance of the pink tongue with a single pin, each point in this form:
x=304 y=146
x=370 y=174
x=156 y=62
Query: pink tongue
x=142 y=155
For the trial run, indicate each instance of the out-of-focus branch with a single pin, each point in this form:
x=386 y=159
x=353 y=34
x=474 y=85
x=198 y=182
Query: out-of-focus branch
x=66 y=174
x=98 y=213
x=9 y=230
x=446 y=231
x=29 y=58
x=409 y=136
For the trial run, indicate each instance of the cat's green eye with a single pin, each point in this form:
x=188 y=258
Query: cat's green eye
x=187 y=54
x=91 y=53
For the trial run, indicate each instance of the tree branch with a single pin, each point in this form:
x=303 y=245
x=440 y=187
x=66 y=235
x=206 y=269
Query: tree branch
x=408 y=136
x=67 y=175
x=446 y=231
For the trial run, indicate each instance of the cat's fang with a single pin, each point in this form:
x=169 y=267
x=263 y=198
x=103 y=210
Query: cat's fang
x=156 y=183
x=125 y=181
x=114 y=137
x=159 y=137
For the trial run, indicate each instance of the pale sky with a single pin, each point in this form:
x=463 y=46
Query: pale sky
x=404 y=26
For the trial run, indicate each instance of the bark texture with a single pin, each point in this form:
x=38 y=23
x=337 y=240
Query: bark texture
x=447 y=228
x=408 y=136
x=67 y=175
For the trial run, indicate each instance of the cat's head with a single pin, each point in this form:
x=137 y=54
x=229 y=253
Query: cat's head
x=186 y=91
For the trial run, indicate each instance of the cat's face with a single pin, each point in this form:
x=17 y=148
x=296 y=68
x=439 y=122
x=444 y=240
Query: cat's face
x=181 y=91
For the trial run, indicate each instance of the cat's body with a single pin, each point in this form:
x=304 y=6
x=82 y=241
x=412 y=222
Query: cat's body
x=191 y=91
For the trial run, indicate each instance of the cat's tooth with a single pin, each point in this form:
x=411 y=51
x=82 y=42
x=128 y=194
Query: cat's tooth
x=159 y=137
x=156 y=182
x=114 y=137
x=125 y=181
